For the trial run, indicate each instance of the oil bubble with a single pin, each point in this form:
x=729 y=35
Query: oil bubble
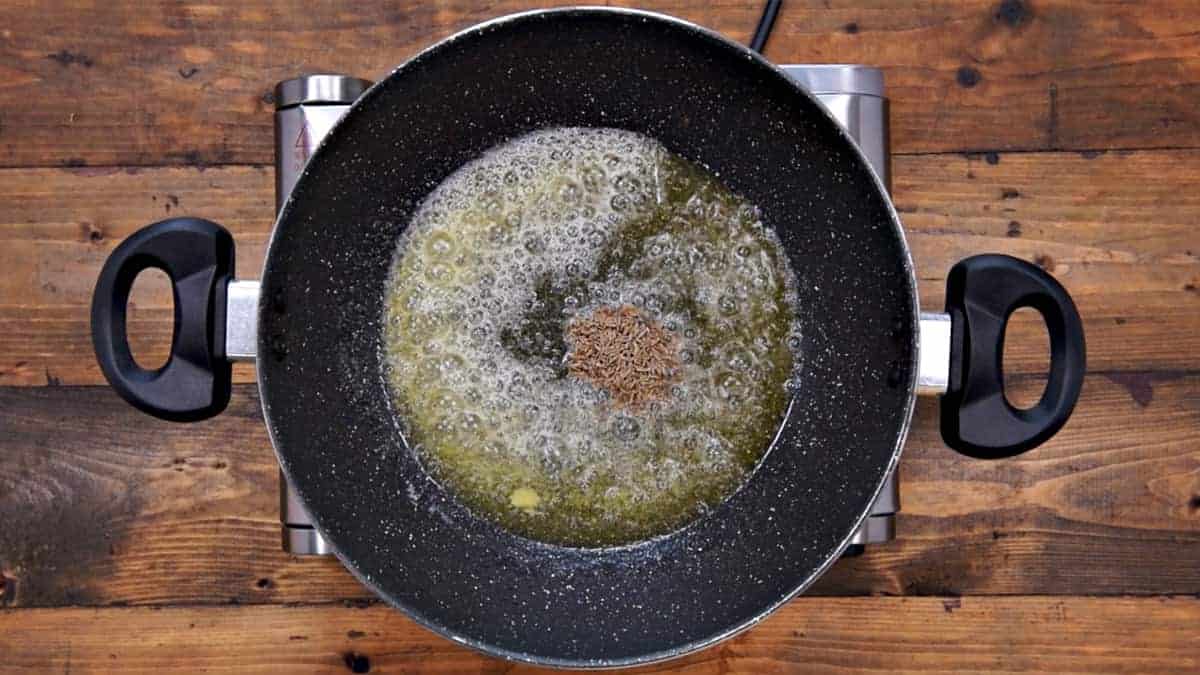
x=626 y=428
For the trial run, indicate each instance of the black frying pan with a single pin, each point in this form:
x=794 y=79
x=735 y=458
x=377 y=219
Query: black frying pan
x=320 y=370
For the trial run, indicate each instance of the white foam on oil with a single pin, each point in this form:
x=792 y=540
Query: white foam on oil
x=549 y=226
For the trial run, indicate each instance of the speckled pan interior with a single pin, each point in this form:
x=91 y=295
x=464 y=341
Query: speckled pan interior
x=320 y=365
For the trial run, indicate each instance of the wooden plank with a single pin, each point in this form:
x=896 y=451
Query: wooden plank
x=1117 y=228
x=1117 y=488
x=827 y=635
x=57 y=226
x=102 y=505
x=144 y=83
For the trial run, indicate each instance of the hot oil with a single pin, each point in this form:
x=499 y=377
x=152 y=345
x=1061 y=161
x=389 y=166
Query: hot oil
x=547 y=229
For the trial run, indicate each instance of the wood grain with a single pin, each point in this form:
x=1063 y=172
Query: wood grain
x=101 y=505
x=1116 y=228
x=826 y=635
x=116 y=114
x=143 y=83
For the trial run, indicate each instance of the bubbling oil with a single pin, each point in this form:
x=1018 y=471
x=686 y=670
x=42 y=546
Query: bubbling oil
x=551 y=226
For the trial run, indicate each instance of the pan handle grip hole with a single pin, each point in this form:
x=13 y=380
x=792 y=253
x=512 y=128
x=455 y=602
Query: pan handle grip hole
x=1026 y=358
x=151 y=306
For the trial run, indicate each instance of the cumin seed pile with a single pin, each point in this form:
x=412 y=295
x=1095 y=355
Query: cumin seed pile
x=631 y=357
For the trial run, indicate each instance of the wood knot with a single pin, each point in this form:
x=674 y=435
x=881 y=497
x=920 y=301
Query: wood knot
x=65 y=58
x=357 y=663
x=91 y=232
x=1012 y=13
x=967 y=77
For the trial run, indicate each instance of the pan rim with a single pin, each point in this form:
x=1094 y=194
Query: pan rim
x=695 y=645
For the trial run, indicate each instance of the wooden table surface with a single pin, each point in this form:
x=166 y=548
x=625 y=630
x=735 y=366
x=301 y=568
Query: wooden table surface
x=1061 y=131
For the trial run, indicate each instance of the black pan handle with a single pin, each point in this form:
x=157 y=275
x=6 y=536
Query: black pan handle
x=197 y=255
x=981 y=294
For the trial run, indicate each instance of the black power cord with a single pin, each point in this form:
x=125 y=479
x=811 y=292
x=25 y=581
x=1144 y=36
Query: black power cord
x=765 y=23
